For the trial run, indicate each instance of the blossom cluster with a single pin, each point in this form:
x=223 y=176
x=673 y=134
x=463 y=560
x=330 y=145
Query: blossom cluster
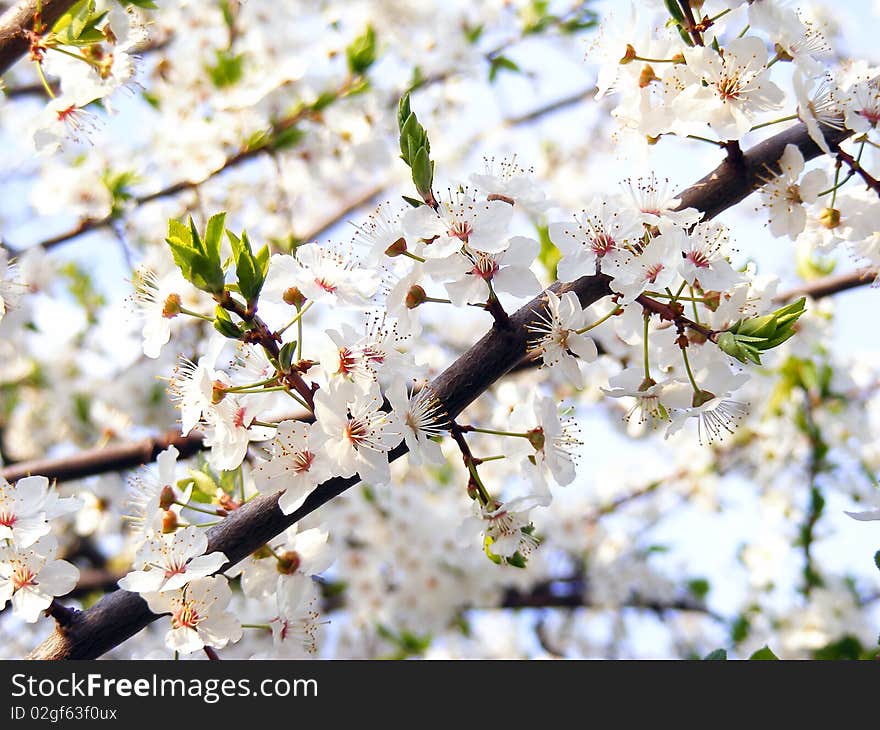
x=305 y=365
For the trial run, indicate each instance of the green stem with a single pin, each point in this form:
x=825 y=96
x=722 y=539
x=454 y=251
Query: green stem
x=265 y=424
x=493 y=432
x=190 y=313
x=655 y=60
x=599 y=321
x=264 y=627
x=251 y=386
x=78 y=57
x=694 y=301
x=789 y=118
x=705 y=139
x=647 y=317
x=274 y=388
x=44 y=81
x=296 y=319
x=197 y=509
x=687 y=366
x=719 y=16
x=299 y=337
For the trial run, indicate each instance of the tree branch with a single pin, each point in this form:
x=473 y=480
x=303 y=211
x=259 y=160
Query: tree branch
x=829 y=285
x=19 y=19
x=105 y=458
x=120 y=615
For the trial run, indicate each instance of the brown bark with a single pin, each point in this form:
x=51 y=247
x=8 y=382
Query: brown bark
x=19 y=19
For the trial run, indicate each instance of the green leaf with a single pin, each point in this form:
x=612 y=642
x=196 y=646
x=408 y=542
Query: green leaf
x=250 y=273
x=763 y=654
x=225 y=326
x=717 y=655
x=227 y=70
x=501 y=63
x=423 y=171
x=699 y=587
x=361 y=54
x=285 y=357
x=287 y=138
x=201 y=267
x=213 y=236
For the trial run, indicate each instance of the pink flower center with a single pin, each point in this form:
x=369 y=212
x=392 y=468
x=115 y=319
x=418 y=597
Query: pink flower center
x=357 y=431
x=602 y=244
x=302 y=461
x=22 y=576
x=728 y=88
x=7 y=519
x=185 y=616
x=347 y=361
x=238 y=418
x=872 y=115
x=486 y=267
x=374 y=354
x=461 y=230
x=698 y=259
x=64 y=115
x=327 y=286
x=653 y=272
x=175 y=568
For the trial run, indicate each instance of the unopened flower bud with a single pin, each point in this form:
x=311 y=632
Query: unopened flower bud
x=647 y=76
x=294 y=297
x=397 y=248
x=172 y=306
x=167 y=497
x=629 y=56
x=289 y=562
x=830 y=218
x=227 y=502
x=169 y=521
x=415 y=296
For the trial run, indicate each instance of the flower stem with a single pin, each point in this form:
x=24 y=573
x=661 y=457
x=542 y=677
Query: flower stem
x=44 y=81
x=647 y=318
x=687 y=366
x=197 y=509
x=789 y=118
x=296 y=318
x=599 y=321
x=493 y=432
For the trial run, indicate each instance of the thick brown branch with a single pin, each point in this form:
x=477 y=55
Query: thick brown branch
x=829 y=285
x=104 y=459
x=120 y=615
x=19 y=19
